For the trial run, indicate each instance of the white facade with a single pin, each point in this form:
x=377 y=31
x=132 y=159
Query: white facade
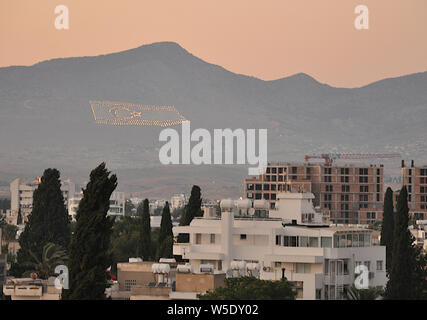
x=117 y=204
x=21 y=195
x=178 y=201
x=290 y=241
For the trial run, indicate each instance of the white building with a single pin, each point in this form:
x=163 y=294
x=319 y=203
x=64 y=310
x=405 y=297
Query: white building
x=178 y=201
x=290 y=241
x=21 y=195
x=117 y=204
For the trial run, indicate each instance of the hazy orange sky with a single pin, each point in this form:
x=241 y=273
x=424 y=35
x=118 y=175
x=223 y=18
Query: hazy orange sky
x=268 y=39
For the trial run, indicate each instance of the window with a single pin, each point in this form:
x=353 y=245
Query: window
x=313 y=242
x=363 y=179
x=290 y=241
x=129 y=284
x=326 y=242
x=303 y=241
x=302 y=268
x=198 y=238
x=364 y=188
x=318 y=294
x=278 y=240
x=363 y=171
x=258 y=187
x=243 y=237
x=250 y=186
x=344 y=179
x=379 y=265
x=273 y=196
x=273 y=187
x=266 y=187
x=212 y=238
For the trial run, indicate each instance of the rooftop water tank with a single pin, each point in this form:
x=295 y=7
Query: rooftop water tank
x=227 y=204
x=261 y=204
x=244 y=204
x=184 y=268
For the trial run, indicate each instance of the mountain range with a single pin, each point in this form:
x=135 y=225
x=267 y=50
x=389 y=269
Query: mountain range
x=46 y=119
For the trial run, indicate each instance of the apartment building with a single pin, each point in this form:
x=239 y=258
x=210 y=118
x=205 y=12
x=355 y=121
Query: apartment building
x=349 y=194
x=293 y=240
x=415 y=180
x=117 y=204
x=21 y=195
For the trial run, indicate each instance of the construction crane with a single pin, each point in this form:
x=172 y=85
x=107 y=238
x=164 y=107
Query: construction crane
x=330 y=157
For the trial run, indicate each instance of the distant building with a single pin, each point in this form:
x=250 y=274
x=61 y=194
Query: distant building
x=415 y=180
x=349 y=194
x=21 y=195
x=293 y=241
x=117 y=204
x=178 y=201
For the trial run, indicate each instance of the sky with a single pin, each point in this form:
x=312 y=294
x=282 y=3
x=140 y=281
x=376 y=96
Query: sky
x=268 y=39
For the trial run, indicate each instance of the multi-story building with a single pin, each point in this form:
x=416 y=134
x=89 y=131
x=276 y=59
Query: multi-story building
x=415 y=180
x=348 y=193
x=117 y=204
x=293 y=241
x=21 y=195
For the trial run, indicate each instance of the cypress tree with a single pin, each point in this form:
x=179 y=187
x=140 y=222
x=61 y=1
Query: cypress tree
x=387 y=229
x=165 y=248
x=192 y=209
x=47 y=223
x=401 y=280
x=89 y=249
x=19 y=219
x=144 y=213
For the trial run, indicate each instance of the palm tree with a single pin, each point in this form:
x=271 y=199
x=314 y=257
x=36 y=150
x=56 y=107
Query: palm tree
x=53 y=255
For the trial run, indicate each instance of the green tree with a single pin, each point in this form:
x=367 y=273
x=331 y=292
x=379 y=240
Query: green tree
x=192 y=209
x=125 y=239
x=89 y=249
x=52 y=256
x=251 y=288
x=165 y=240
x=387 y=229
x=145 y=245
x=405 y=281
x=48 y=221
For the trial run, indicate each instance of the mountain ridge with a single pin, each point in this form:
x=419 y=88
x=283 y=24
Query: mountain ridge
x=46 y=119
